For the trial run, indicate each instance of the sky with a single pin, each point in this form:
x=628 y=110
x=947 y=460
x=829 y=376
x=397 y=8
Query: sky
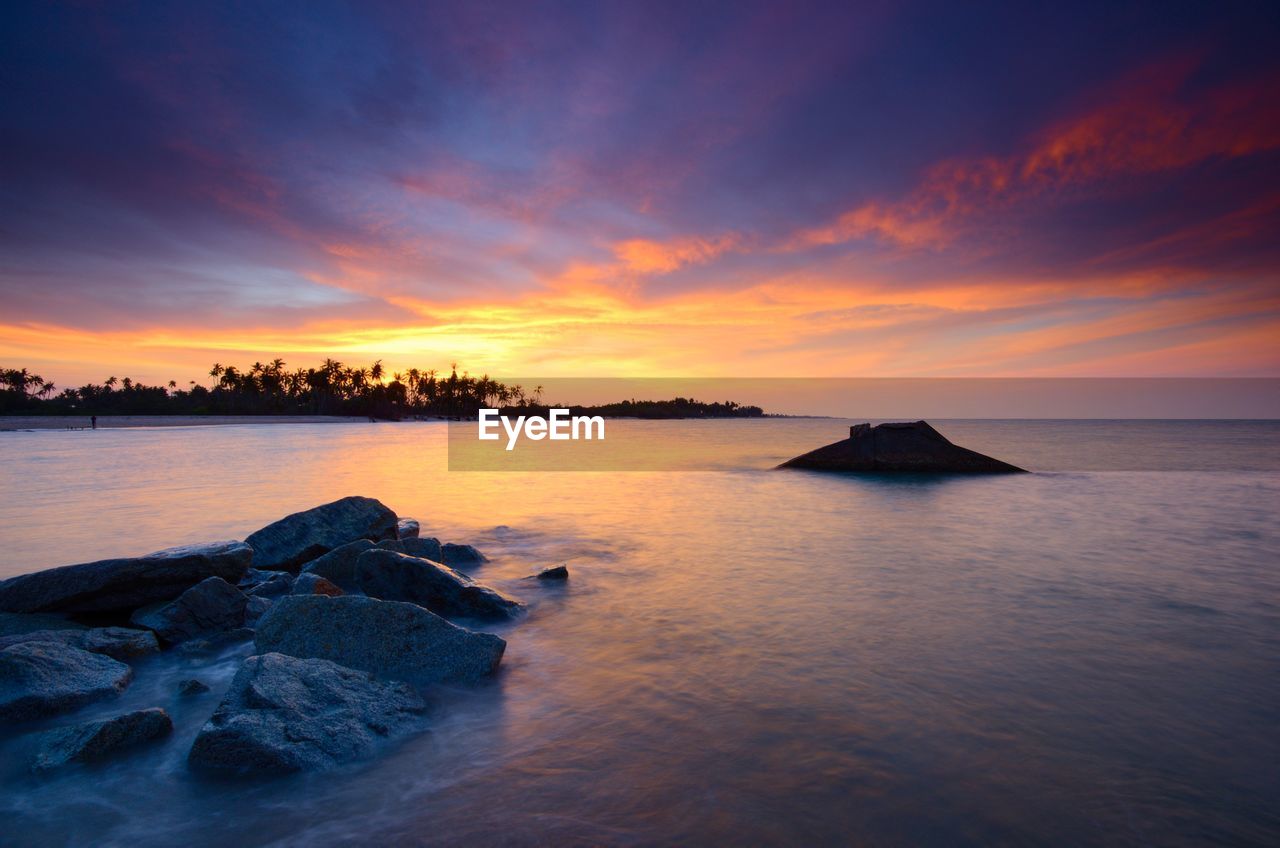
x=757 y=189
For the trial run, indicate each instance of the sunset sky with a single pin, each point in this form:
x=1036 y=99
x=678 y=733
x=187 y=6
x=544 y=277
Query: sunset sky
x=603 y=188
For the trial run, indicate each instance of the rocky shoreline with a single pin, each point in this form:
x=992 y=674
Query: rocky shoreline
x=352 y=615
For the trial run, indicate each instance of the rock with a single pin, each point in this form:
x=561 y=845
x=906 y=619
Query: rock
x=460 y=556
x=284 y=714
x=301 y=537
x=214 y=643
x=427 y=548
x=15 y=623
x=120 y=643
x=394 y=576
x=387 y=638
x=314 y=584
x=212 y=606
x=116 y=585
x=339 y=565
x=278 y=584
x=255 y=609
x=558 y=572
x=911 y=446
x=255 y=577
x=94 y=740
x=407 y=528
x=187 y=688
x=38 y=679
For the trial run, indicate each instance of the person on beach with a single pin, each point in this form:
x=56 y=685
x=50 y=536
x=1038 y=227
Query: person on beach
x=93 y=421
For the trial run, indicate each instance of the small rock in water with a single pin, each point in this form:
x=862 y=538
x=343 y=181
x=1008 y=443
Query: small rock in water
x=314 y=584
x=407 y=528
x=192 y=687
x=215 y=643
x=120 y=643
x=284 y=714
x=93 y=740
x=394 y=576
x=297 y=539
x=558 y=572
x=212 y=606
x=460 y=556
x=339 y=565
x=896 y=447
x=43 y=678
x=387 y=638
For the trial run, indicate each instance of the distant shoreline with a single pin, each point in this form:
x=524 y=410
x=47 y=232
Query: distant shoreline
x=105 y=422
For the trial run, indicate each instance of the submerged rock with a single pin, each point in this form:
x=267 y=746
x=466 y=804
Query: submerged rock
x=557 y=572
x=94 y=740
x=913 y=446
x=388 y=638
x=314 y=584
x=212 y=606
x=407 y=528
x=394 y=576
x=121 y=643
x=427 y=548
x=38 y=679
x=301 y=537
x=214 y=643
x=339 y=565
x=284 y=714
x=187 y=688
x=460 y=556
x=114 y=585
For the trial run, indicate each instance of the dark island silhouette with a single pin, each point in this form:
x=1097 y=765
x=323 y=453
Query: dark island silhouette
x=905 y=446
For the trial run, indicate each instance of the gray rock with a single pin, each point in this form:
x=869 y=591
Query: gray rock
x=187 y=688
x=339 y=565
x=314 y=584
x=284 y=714
x=407 y=528
x=115 y=585
x=426 y=548
x=255 y=577
x=387 y=638
x=38 y=679
x=94 y=740
x=558 y=572
x=301 y=537
x=913 y=446
x=394 y=576
x=255 y=609
x=460 y=556
x=214 y=643
x=121 y=643
x=212 y=606
x=15 y=623
x=277 y=584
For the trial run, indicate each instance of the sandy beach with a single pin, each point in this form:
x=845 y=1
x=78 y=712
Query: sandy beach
x=82 y=422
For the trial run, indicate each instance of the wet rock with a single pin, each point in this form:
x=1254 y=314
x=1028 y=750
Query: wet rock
x=394 y=576
x=118 y=585
x=558 y=572
x=255 y=608
x=38 y=679
x=301 y=537
x=339 y=565
x=284 y=714
x=95 y=740
x=121 y=643
x=187 y=688
x=913 y=446
x=407 y=528
x=214 y=643
x=212 y=606
x=387 y=638
x=314 y=584
x=16 y=623
x=257 y=577
x=460 y=556
x=426 y=548
x=277 y=584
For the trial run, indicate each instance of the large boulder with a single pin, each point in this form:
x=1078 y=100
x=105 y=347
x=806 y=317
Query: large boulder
x=299 y=538
x=284 y=714
x=95 y=740
x=393 y=576
x=211 y=606
x=460 y=556
x=115 y=585
x=15 y=623
x=387 y=638
x=913 y=446
x=119 y=643
x=38 y=679
x=339 y=565
x=426 y=548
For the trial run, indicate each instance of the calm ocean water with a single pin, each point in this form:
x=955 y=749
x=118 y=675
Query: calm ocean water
x=1087 y=655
